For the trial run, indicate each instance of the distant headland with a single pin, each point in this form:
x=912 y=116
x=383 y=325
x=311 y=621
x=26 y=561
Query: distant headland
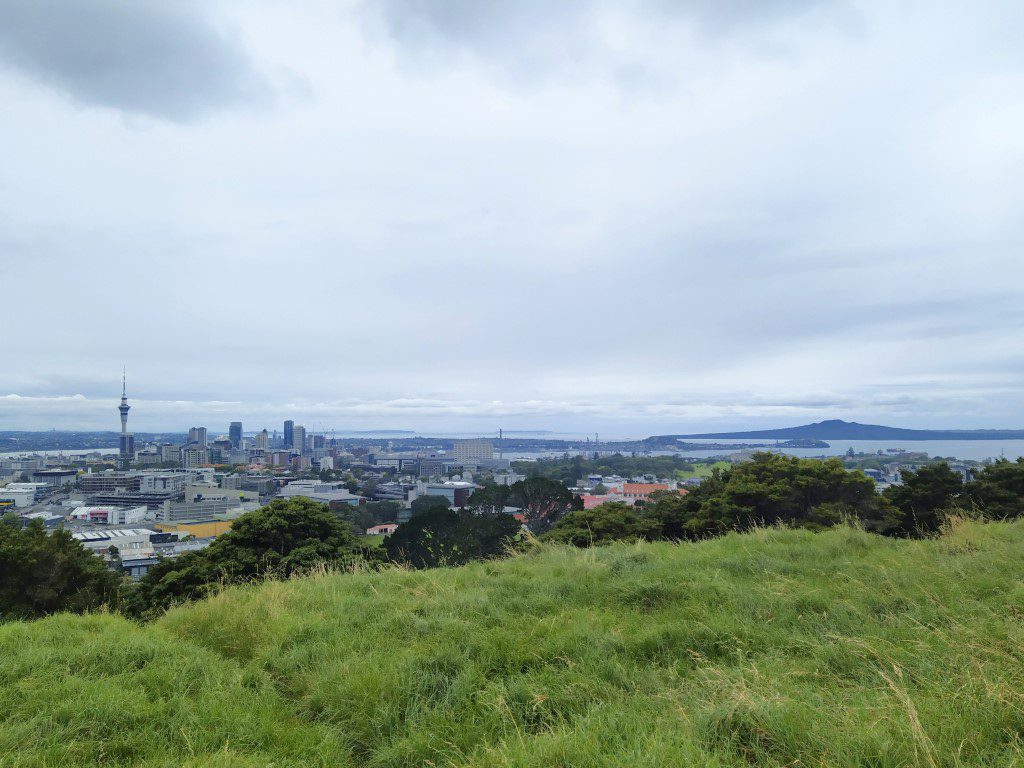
x=835 y=429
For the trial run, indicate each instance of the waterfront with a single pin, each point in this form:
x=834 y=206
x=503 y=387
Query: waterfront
x=977 y=450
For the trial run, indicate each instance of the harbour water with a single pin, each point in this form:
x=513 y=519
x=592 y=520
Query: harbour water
x=977 y=450
x=958 y=449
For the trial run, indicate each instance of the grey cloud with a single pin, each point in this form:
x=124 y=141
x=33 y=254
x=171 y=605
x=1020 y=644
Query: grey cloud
x=730 y=15
x=832 y=235
x=473 y=20
x=530 y=29
x=156 y=58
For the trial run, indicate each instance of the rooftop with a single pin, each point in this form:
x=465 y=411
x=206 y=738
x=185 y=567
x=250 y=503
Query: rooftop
x=113 y=533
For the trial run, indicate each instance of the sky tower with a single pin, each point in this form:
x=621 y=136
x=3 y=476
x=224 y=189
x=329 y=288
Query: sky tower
x=127 y=440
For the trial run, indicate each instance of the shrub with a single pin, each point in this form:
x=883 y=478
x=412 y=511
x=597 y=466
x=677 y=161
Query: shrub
x=613 y=521
x=285 y=537
x=43 y=573
x=441 y=536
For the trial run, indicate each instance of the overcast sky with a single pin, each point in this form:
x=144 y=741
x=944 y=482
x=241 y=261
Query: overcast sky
x=632 y=217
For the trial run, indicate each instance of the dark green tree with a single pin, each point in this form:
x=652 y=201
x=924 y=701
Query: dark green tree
x=191 y=576
x=613 y=521
x=43 y=573
x=489 y=500
x=925 y=497
x=422 y=504
x=285 y=537
x=998 y=489
x=668 y=510
x=370 y=514
x=542 y=501
x=440 y=536
x=773 y=488
x=570 y=469
x=384 y=511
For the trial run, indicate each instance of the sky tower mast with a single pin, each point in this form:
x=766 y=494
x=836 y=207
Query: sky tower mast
x=126 y=443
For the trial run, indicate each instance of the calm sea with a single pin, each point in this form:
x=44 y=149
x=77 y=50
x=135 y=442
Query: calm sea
x=959 y=449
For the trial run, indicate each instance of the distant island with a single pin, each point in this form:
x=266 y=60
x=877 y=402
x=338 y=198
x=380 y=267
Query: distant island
x=671 y=442
x=835 y=429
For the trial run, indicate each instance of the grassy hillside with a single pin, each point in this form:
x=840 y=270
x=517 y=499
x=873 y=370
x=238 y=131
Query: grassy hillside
x=772 y=648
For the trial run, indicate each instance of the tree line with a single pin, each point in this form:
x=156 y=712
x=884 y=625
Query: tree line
x=774 y=489
x=570 y=470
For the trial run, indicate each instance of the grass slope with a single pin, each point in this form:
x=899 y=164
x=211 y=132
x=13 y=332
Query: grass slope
x=773 y=648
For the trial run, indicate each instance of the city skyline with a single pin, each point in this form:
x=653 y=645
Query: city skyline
x=87 y=414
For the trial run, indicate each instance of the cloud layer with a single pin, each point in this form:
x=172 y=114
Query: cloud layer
x=148 y=57
x=632 y=218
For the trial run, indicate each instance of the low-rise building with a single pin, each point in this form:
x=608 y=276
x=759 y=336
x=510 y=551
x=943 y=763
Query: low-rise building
x=50 y=518
x=200 y=529
x=206 y=503
x=130 y=542
x=508 y=478
x=591 y=500
x=17 y=495
x=457 y=492
x=636 y=491
x=112 y=515
x=57 y=478
x=121 y=498
x=164 y=482
x=259 y=484
x=325 y=493
x=105 y=482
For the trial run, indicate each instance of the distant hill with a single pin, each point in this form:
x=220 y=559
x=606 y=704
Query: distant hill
x=835 y=429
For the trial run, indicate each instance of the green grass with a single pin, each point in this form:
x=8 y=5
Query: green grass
x=702 y=470
x=777 y=648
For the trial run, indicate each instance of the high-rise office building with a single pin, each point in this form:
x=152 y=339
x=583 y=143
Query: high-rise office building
x=299 y=438
x=235 y=434
x=289 y=433
x=126 y=443
x=473 y=450
x=262 y=440
x=197 y=435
